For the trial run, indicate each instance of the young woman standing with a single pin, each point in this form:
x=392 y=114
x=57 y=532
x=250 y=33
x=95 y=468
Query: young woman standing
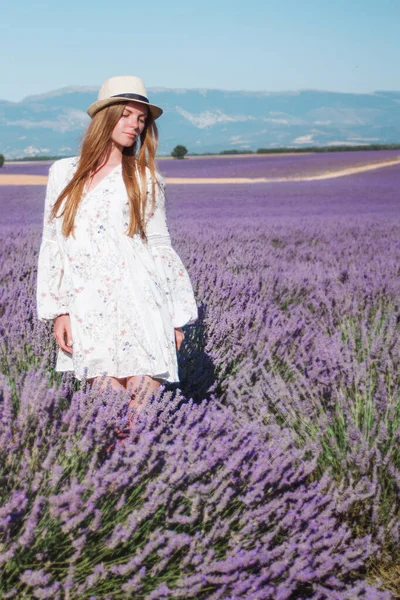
x=107 y=274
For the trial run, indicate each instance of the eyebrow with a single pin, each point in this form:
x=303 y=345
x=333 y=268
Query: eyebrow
x=142 y=114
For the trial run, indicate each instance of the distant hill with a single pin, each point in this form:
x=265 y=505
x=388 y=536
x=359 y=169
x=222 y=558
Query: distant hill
x=209 y=120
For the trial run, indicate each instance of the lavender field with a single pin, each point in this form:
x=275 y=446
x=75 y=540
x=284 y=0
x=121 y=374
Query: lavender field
x=273 y=166
x=253 y=166
x=273 y=471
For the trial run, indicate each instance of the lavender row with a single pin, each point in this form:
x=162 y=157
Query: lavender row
x=268 y=166
x=273 y=166
x=26 y=168
x=373 y=194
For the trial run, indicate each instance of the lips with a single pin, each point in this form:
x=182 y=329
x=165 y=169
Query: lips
x=131 y=135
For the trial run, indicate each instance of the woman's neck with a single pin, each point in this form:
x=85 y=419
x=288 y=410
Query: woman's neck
x=115 y=156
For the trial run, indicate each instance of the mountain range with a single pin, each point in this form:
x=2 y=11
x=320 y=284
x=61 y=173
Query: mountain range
x=208 y=120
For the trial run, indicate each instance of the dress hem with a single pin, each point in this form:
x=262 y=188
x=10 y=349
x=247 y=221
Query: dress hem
x=105 y=374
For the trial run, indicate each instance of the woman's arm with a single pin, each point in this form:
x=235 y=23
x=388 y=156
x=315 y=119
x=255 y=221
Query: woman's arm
x=170 y=269
x=50 y=295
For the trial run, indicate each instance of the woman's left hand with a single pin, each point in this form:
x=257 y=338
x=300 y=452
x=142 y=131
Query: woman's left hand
x=179 y=337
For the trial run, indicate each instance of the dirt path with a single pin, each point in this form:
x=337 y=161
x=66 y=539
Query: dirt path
x=23 y=179
x=42 y=179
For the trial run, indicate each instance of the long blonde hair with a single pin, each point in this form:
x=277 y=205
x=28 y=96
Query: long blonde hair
x=95 y=150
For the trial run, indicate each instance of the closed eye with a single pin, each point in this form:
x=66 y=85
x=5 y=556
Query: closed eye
x=142 y=120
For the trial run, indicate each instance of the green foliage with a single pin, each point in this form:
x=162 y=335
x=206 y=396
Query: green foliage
x=328 y=149
x=1 y=160
x=36 y=158
x=179 y=151
x=235 y=151
x=302 y=150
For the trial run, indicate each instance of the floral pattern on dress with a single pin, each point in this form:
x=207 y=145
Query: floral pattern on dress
x=124 y=295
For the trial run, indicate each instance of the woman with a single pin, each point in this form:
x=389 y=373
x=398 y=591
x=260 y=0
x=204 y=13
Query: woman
x=107 y=274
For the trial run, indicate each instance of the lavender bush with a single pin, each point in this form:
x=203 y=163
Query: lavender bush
x=321 y=353
x=190 y=507
x=297 y=352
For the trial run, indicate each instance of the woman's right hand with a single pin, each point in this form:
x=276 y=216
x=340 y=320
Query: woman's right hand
x=62 y=332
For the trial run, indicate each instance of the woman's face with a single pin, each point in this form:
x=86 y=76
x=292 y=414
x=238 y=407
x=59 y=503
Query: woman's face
x=130 y=125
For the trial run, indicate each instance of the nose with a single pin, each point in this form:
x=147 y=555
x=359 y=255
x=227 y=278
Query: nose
x=134 y=120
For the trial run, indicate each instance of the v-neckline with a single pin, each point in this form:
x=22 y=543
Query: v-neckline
x=101 y=180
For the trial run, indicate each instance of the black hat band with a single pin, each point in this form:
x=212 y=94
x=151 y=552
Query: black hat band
x=132 y=96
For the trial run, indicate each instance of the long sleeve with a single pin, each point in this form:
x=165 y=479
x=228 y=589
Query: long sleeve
x=51 y=298
x=171 y=271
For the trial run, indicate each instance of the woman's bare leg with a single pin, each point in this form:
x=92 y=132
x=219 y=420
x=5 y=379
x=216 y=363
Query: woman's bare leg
x=117 y=383
x=140 y=387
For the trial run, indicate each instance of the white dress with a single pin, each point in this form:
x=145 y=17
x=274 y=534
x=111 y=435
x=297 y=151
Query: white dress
x=124 y=295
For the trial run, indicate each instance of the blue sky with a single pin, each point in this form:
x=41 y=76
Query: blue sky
x=274 y=45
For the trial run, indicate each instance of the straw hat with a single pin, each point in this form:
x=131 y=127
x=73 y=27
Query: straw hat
x=117 y=89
